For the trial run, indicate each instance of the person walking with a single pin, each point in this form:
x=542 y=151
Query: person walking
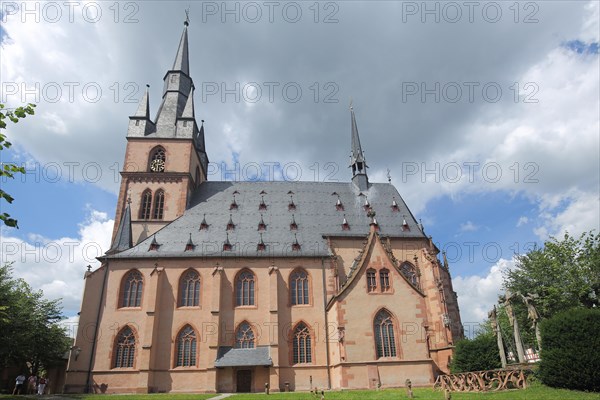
x=19 y=384
x=42 y=385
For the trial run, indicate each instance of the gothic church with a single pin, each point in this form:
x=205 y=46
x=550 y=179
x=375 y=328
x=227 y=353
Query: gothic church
x=232 y=286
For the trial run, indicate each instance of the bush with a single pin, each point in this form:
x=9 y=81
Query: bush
x=571 y=350
x=478 y=354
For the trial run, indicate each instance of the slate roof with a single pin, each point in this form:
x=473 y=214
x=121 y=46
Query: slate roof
x=230 y=357
x=315 y=214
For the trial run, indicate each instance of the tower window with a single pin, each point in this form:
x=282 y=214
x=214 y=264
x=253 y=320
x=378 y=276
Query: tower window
x=159 y=202
x=146 y=204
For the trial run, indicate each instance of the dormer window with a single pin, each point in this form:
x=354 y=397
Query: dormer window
x=154 y=245
x=261 y=245
x=204 y=224
x=345 y=224
x=405 y=226
x=296 y=246
x=262 y=206
x=367 y=205
x=338 y=205
x=190 y=245
x=233 y=205
x=230 y=224
x=227 y=245
x=291 y=205
x=293 y=224
x=395 y=205
x=261 y=225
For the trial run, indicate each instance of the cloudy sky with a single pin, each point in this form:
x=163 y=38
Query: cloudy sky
x=486 y=115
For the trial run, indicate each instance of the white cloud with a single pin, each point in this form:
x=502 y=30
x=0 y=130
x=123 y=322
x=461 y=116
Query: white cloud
x=478 y=294
x=57 y=265
x=468 y=227
x=522 y=221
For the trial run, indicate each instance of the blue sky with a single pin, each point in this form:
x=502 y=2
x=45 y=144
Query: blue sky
x=548 y=132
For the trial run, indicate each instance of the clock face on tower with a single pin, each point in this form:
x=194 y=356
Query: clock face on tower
x=157 y=165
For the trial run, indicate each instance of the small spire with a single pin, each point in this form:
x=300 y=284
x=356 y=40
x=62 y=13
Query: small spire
x=124 y=237
x=143 y=110
x=188 y=111
x=421 y=226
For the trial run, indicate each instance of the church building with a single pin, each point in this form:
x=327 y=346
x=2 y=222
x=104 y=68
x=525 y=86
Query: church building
x=234 y=286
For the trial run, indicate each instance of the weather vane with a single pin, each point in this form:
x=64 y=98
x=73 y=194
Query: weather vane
x=351 y=103
x=187 y=16
x=389 y=176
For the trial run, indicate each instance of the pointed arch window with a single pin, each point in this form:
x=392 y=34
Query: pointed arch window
x=410 y=272
x=299 y=287
x=131 y=289
x=157 y=160
x=385 y=343
x=189 y=289
x=302 y=345
x=159 y=203
x=146 y=204
x=186 y=347
x=124 y=349
x=244 y=336
x=371 y=280
x=384 y=279
x=245 y=289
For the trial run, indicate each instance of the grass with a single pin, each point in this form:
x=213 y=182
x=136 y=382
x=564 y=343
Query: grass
x=535 y=392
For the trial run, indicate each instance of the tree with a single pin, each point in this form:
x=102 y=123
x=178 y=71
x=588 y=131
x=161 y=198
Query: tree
x=30 y=332
x=564 y=274
x=478 y=354
x=10 y=169
x=570 y=357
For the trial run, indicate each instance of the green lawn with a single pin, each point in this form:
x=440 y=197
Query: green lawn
x=534 y=392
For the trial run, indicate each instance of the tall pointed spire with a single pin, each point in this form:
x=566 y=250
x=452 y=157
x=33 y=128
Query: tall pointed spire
x=182 y=61
x=177 y=88
x=188 y=111
x=357 y=157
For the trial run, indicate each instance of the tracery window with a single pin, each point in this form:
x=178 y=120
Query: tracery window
x=131 y=289
x=245 y=289
x=244 y=336
x=146 y=204
x=189 y=289
x=301 y=347
x=383 y=326
x=409 y=271
x=124 y=349
x=299 y=287
x=159 y=203
x=186 y=347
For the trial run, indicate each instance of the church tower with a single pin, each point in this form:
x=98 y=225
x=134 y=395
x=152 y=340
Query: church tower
x=165 y=159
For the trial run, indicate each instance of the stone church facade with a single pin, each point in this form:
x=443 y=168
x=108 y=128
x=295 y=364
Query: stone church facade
x=229 y=286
